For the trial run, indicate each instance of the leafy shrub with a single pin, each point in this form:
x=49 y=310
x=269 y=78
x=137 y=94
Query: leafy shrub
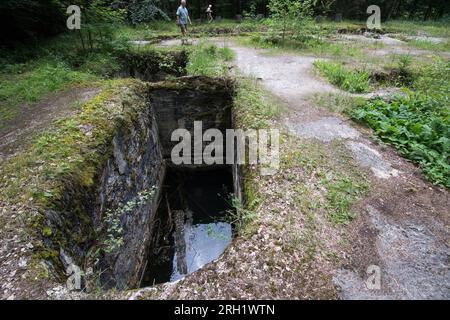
x=418 y=126
x=355 y=81
x=405 y=76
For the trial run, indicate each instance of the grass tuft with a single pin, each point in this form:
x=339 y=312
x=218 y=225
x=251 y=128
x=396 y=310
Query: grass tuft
x=209 y=60
x=354 y=81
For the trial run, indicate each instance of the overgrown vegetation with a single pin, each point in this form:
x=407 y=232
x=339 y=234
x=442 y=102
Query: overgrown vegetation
x=65 y=159
x=209 y=60
x=342 y=193
x=255 y=107
x=351 y=80
x=31 y=20
x=114 y=232
x=337 y=102
x=31 y=86
x=430 y=45
x=62 y=151
x=240 y=216
x=289 y=16
x=318 y=183
x=311 y=38
x=417 y=125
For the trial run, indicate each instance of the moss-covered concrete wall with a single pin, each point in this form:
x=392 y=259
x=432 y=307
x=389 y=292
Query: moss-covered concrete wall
x=127 y=200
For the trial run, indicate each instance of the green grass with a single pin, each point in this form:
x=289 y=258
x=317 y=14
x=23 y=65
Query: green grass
x=434 y=80
x=351 y=80
x=240 y=216
x=255 y=107
x=433 y=28
x=209 y=60
x=342 y=193
x=32 y=71
x=429 y=45
x=149 y=32
x=168 y=29
x=31 y=86
x=305 y=44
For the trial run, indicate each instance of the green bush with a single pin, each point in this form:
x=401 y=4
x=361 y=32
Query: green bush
x=419 y=126
x=354 y=81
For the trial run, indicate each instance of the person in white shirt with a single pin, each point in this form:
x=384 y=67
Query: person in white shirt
x=209 y=13
x=183 y=19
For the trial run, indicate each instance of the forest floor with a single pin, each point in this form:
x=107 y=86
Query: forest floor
x=342 y=207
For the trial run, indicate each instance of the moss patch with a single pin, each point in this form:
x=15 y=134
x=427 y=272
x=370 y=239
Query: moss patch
x=56 y=175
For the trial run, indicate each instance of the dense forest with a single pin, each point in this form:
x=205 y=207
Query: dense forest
x=30 y=19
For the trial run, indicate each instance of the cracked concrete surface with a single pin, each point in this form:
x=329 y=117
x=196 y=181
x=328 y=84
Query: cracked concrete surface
x=326 y=129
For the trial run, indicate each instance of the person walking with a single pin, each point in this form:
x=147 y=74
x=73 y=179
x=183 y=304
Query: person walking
x=209 y=13
x=182 y=20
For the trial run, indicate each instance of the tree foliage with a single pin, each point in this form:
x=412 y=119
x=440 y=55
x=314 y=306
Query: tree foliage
x=145 y=11
x=98 y=25
x=32 y=19
x=290 y=14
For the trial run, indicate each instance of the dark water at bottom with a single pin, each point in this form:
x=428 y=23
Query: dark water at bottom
x=190 y=229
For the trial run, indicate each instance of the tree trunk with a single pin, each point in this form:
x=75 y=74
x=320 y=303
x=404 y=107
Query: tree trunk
x=428 y=12
x=413 y=10
x=82 y=40
x=393 y=9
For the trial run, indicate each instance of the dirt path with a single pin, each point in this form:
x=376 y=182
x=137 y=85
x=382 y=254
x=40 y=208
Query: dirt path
x=403 y=224
x=37 y=116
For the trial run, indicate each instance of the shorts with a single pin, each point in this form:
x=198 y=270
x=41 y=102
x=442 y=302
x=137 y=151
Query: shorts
x=183 y=27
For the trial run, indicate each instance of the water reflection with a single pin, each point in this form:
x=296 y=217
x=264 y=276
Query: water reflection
x=204 y=243
x=190 y=229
